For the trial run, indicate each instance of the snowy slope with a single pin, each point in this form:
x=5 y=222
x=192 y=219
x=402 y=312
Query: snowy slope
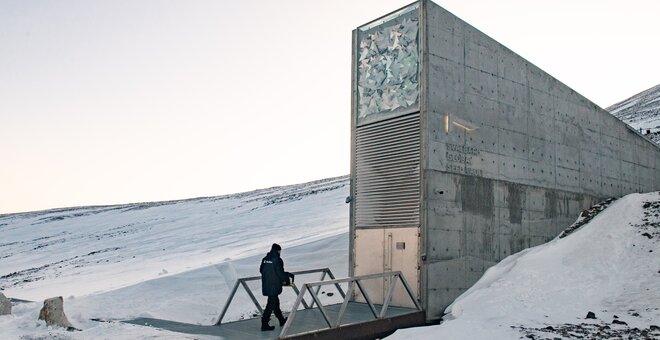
x=47 y=253
x=172 y=260
x=641 y=111
x=188 y=253
x=610 y=266
x=195 y=297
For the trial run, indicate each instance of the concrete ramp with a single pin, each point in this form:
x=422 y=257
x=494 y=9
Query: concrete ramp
x=358 y=323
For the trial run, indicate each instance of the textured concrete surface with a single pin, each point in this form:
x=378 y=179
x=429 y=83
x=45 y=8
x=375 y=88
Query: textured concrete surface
x=516 y=154
x=510 y=156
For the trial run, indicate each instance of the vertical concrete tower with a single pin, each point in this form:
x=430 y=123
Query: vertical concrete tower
x=464 y=153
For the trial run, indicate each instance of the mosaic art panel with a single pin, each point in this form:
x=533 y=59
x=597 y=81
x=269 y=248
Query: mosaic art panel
x=388 y=63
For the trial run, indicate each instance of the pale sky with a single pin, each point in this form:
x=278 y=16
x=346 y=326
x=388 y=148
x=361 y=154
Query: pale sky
x=105 y=102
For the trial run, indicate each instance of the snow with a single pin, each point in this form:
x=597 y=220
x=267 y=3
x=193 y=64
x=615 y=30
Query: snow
x=171 y=260
x=638 y=108
x=189 y=253
x=641 y=111
x=607 y=266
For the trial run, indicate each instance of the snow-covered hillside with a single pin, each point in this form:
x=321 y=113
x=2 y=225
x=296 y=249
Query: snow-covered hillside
x=177 y=260
x=47 y=253
x=172 y=260
x=610 y=266
x=641 y=111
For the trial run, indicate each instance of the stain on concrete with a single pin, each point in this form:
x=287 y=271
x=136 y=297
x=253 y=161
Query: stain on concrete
x=514 y=201
x=518 y=243
x=551 y=203
x=489 y=244
x=476 y=195
x=566 y=211
x=518 y=239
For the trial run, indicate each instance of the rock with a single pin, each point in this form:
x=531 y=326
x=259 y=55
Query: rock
x=591 y=315
x=654 y=328
x=619 y=322
x=53 y=313
x=5 y=305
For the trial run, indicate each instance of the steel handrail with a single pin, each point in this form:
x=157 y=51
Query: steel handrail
x=243 y=282
x=352 y=282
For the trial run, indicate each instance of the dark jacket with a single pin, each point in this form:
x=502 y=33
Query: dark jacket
x=273 y=275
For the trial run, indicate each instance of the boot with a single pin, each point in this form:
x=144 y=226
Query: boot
x=282 y=321
x=265 y=326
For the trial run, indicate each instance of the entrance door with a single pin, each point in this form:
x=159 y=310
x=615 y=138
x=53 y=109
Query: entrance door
x=385 y=250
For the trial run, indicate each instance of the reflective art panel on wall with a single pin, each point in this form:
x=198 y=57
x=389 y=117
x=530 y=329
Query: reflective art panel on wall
x=388 y=59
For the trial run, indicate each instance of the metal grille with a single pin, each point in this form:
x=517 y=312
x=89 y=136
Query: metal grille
x=387 y=180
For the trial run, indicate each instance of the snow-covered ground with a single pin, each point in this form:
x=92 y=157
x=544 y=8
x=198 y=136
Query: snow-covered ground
x=171 y=260
x=177 y=261
x=610 y=266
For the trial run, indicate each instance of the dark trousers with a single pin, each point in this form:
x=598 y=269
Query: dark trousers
x=273 y=306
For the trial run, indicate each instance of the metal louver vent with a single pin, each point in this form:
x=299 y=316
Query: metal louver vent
x=387 y=181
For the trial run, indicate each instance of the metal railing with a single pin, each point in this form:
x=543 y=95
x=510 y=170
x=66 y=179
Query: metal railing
x=352 y=282
x=243 y=282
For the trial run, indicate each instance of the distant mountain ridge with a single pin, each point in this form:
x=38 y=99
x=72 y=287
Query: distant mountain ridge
x=641 y=111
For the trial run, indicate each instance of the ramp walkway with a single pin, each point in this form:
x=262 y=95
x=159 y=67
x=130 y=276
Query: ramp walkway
x=309 y=321
x=346 y=320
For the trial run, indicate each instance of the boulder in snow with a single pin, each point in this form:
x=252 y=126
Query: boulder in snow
x=5 y=305
x=53 y=313
x=591 y=315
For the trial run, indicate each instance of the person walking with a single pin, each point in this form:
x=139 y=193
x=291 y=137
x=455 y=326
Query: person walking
x=273 y=277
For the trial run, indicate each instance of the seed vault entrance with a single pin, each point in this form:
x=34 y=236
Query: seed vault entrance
x=386 y=153
x=386 y=250
x=464 y=153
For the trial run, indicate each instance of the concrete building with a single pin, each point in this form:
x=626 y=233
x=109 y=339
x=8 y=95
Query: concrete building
x=464 y=153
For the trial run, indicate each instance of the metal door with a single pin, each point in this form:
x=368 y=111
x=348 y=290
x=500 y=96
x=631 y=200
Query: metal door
x=384 y=250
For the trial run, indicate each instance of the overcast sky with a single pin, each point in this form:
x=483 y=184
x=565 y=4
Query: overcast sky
x=105 y=102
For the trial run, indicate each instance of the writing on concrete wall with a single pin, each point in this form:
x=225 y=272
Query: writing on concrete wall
x=460 y=159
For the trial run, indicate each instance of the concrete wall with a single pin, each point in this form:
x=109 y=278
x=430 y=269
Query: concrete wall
x=539 y=154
